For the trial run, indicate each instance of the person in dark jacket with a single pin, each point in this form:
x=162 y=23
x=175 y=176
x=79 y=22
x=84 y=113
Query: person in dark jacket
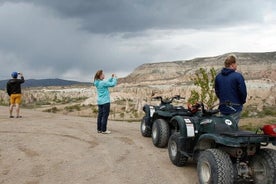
x=14 y=91
x=230 y=88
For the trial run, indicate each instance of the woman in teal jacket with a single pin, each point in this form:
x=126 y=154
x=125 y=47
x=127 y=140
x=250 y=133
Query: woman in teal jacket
x=103 y=99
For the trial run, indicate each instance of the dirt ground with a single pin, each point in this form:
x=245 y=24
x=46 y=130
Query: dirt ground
x=46 y=148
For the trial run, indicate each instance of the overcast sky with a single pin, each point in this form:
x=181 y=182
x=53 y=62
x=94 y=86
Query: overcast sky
x=72 y=39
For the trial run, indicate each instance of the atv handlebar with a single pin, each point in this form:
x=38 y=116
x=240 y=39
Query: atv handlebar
x=199 y=106
x=169 y=100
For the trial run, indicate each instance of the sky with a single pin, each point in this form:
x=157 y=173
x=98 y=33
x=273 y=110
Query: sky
x=72 y=39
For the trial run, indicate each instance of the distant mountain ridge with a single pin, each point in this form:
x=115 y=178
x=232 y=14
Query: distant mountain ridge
x=45 y=83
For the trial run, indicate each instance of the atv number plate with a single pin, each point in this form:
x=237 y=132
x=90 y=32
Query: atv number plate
x=190 y=128
x=152 y=110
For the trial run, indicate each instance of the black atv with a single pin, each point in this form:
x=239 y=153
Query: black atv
x=224 y=154
x=157 y=120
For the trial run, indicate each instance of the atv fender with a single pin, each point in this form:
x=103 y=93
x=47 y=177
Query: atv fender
x=185 y=126
x=206 y=141
x=183 y=145
x=238 y=141
x=148 y=115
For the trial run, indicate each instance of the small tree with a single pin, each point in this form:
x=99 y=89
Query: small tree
x=205 y=81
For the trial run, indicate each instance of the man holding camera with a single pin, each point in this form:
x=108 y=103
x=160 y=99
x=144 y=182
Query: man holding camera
x=14 y=91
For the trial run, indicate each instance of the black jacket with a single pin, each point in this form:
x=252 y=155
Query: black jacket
x=14 y=86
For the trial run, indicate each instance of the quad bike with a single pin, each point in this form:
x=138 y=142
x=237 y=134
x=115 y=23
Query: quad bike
x=157 y=120
x=224 y=154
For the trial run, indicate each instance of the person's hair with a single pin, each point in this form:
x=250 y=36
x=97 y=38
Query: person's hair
x=230 y=60
x=98 y=75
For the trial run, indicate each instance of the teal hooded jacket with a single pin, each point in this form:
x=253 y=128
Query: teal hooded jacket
x=102 y=90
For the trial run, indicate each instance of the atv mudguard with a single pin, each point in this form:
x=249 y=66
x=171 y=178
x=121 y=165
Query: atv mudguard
x=273 y=141
x=149 y=111
x=234 y=139
x=187 y=130
x=185 y=124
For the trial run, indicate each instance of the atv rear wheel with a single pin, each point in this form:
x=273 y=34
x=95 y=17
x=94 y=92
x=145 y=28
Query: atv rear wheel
x=145 y=130
x=263 y=166
x=175 y=155
x=215 y=166
x=160 y=133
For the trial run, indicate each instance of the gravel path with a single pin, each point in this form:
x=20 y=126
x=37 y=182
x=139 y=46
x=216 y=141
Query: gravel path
x=45 y=148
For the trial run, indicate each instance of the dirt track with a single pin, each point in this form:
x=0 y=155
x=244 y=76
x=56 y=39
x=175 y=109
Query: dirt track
x=43 y=148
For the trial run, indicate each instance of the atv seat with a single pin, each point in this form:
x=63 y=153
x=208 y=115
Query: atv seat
x=210 y=112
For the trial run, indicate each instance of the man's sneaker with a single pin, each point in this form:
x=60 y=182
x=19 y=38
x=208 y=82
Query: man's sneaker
x=106 y=132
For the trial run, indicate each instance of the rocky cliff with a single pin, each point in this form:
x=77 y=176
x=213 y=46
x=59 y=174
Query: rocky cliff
x=254 y=66
x=169 y=78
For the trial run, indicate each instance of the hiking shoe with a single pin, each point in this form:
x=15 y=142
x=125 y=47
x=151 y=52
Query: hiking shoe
x=106 y=132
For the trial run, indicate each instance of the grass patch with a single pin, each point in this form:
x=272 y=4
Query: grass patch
x=52 y=110
x=252 y=111
x=73 y=108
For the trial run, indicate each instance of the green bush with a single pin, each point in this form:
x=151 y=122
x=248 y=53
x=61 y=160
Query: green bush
x=95 y=109
x=122 y=115
x=52 y=110
x=269 y=111
x=205 y=81
x=71 y=108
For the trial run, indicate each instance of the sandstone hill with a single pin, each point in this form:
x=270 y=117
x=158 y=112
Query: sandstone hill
x=254 y=66
x=258 y=69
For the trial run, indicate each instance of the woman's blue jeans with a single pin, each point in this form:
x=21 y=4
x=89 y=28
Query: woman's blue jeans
x=103 y=114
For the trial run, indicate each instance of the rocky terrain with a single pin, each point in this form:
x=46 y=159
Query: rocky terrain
x=171 y=78
x=254 y=66
x=258 y=69
x=46 y=148
x=164 y=78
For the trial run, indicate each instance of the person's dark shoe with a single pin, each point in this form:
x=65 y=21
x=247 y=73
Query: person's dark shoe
x=18 y=116
x=11 y=116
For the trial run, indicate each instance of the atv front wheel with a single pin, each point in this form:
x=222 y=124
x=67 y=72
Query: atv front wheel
x=145 y=130
x=177 y=158
x=215 y=166
x=160 y=133
x=263 y=165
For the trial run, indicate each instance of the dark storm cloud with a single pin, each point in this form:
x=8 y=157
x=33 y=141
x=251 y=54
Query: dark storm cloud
x=109 y=16
x=73 y=38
